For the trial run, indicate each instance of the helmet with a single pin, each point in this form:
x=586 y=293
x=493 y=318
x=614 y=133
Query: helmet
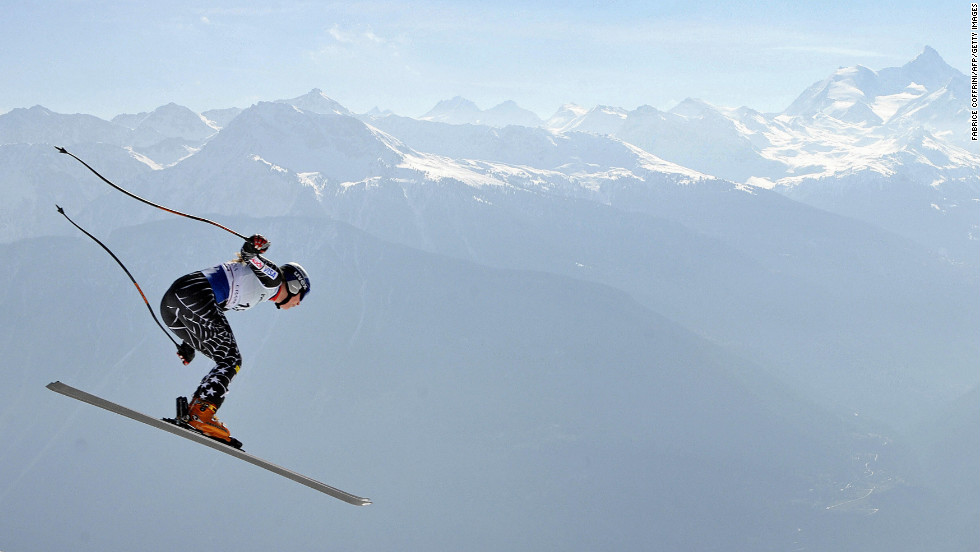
x=296 y=279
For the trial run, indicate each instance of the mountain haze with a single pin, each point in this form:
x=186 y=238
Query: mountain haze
x=706 y=328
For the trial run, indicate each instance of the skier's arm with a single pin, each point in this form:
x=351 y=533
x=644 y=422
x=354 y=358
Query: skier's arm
x=264 y=269
x=255 y=245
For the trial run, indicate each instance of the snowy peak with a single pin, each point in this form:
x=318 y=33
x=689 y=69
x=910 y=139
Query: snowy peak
x=130 y=120
x=601 y=119
x=564 y=116
x=845 y=95
x=282 y=136
x=457 y=111
x=509 y=113
x=694 y=108
x=176 y=121
x=460 y=111
x=861 y=96
x=929 y=69
x=317 y=102
x=39 y=125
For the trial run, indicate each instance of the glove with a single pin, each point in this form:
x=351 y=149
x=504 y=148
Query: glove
x=185 y=352
x=255 y=245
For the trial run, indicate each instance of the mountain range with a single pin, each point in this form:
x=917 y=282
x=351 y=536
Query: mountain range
x=902 y=124
x=700 y=329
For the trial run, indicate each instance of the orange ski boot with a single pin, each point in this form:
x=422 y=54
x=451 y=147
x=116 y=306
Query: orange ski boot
x=202 y=418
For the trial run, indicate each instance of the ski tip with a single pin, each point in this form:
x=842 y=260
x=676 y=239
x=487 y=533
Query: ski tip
x=61 y=149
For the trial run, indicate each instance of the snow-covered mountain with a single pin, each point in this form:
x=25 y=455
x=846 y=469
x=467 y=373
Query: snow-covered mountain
x=565 y=115
x=601 y=119
x=171 y=121
x=39 y=125
x=836 y=147
x=856 y=109
x=460 y=111
x=168 y=134
x=861 y=95
x=574 y=154
x=316 y=101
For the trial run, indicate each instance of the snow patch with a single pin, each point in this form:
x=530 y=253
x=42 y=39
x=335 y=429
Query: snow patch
x=438 y=168
x=271 y=166
x=143 y=159
x=887 y=106
x=312 y=180
x=758 y=182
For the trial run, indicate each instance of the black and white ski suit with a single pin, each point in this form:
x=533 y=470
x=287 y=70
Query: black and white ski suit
x=194 y=310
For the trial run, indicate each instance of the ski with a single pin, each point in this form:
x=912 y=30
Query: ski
x=171 y=427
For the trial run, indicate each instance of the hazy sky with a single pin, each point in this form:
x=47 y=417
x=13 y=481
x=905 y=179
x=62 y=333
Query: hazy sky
x=111 y=57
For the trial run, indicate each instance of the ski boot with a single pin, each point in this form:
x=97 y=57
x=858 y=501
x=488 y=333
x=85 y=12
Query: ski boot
x=199 y=416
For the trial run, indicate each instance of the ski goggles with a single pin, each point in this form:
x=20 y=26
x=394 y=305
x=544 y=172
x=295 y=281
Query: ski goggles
x=297 y=285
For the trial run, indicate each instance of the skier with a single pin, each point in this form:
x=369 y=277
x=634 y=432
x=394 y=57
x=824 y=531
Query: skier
x=194 y=306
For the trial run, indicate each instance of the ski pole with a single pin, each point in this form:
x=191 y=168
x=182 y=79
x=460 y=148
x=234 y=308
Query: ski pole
x=126 y=270
x=134 y=196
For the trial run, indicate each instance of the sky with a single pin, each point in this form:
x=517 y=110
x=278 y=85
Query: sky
x=110 y=57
